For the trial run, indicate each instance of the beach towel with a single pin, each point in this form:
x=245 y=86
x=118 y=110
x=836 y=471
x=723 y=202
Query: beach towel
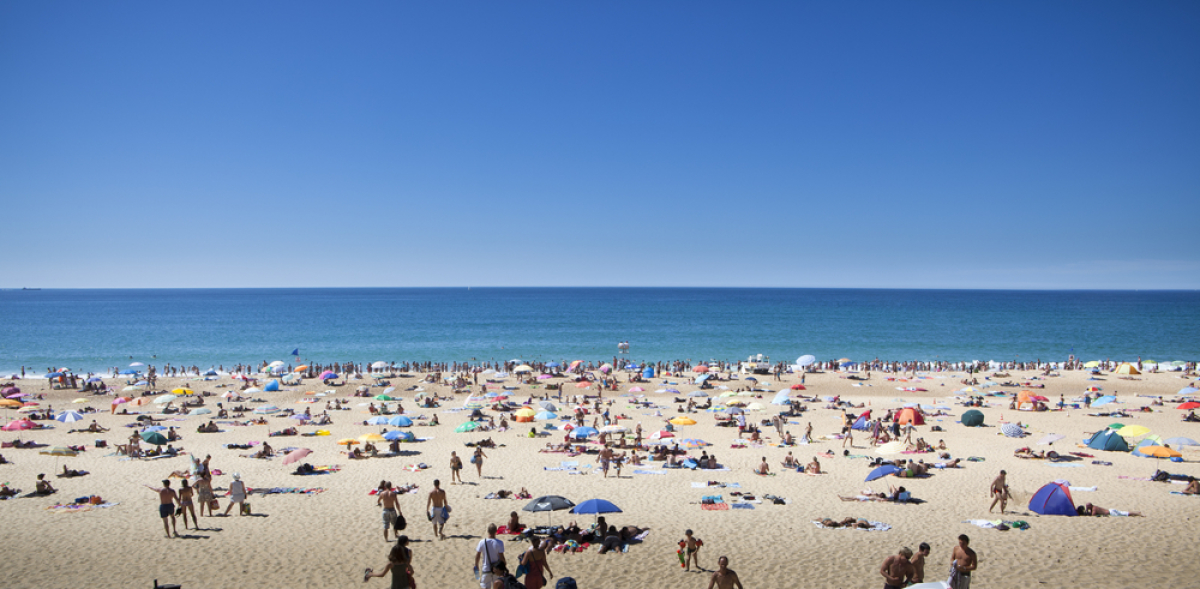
x=1184 y=494
x=742 y=506
x=640 y=471
x=875 y=527
x=715 y=506
x=79 y=508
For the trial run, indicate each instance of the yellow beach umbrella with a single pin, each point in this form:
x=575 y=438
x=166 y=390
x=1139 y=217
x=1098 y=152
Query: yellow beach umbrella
x=1092 y=364
x=526 y=412
x=1133 y=431
x=182 y=391
x=735 y=401
x=683 y=420
x=372 y=438
x=9 y=403
x=348 y=442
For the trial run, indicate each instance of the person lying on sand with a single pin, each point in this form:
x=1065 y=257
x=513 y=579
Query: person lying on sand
x=1193 y=487
x=69 y=473
x=1098 y=511
x=849 y=522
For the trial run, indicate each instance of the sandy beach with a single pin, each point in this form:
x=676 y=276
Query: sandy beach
x=326 y=539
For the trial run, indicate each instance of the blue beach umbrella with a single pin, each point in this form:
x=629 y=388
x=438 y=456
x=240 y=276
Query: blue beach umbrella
x=596 y=506
x=1181 y=442
x=545 y=416
x=883 y=471
x=1188 y=391
x=399 y=435
x=53 y=375
x=581 y=433
x=68 y=416
x=400 y=421
x=377 y=420
x=128 y=372
x=553 y=365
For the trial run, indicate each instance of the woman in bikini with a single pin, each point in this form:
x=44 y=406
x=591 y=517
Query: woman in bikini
x=185 y=504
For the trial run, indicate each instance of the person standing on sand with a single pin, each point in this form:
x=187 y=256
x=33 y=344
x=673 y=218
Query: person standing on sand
x=897 y=570
x=400 y=565
x=185 y=504
x=724 y=577
x=477 y=459
x=455 y=469
x=437 y=506
x=166 y=506
x=391 y=509
x=491 y=552
x=237 y=495
x=691 y=549
x=999 y=490
x=962 y=564
x=808 y=433
x=918 y=563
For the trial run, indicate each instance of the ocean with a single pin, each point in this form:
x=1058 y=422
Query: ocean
x=94 y=330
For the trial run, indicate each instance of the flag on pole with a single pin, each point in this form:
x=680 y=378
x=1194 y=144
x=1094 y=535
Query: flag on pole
x=296 y=352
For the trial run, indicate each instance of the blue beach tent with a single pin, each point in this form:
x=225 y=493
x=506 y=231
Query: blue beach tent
x=272 y=386
x=863 y=423
x=648 y=372
x=1053 y=499
x=1109 y=441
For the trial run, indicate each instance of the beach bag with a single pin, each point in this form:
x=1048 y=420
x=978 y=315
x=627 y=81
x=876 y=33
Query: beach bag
x=401 y=523
x=246 y=508
x=566 y=583
x=214 y=505
x=511 y=582
x=474 y=459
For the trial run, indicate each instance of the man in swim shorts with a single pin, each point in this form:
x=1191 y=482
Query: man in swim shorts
x=387 y=498
x=437 y=505
x=166 y=506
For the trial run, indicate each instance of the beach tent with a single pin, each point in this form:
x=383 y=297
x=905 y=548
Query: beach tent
x=648 y=372
x=1109 y=441
x=781 y=398
x=972 y=418
x=1127 y=368
x=863 y=422
x=1024 y=397
x=700 y=379
x=910 y=415
x=271 y=386
x=1053 y=499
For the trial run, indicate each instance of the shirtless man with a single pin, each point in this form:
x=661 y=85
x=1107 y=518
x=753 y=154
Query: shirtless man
x=897 y=569
x=808 y=433
x=918 y=563
x=724 y=577
x=606 y=455
x=763 y=468
x=436 y=506
x=166 y=506
x=999 y=490
x=962 y=565
x=455 y=469
x=391 y=510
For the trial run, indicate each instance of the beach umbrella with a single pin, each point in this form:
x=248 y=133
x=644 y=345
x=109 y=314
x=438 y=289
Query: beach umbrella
x=548 y=406
x=693 y=443
x=883 y=471
x=95 y=379
x=377 y=420
x=890 y=448
x=154 y=438
x=1188 y=405
x=1012 y=430
x=661 y=434
x=9 y=391
x=1050 y=439
x=637 y=390
x=798 y=387
x=379 y=364
x=128 y=372
x=596 y=506
x=276 y=364
x=28 y=409
x=296 y=455
x=700 y=369
x=1133 y=431
x=755 y=407
x=401 y=436
x=68 y=417
x=548 y=504
x=1188 y=391
x=545 y=416
x=1101 y=401
x=9 y=403
x=614 y=429
x=382 y=398
x=19 y=424
x=1181 y=442
x=164 y=399
x=59 y=451
x=683 y=420
x=806 y=360
x=1159 y=452
x=300 y=368
x=583 y=384
x=53 y=375
x=81 y=400
x=120 y=400
x=523 y=368
x=581 y=433
x=182 y=391
x=327 y=375
x=467 y=427
x=526 y=412
x=400 y=421
x=697 y=394
x=301 y=417
x=265 y=409
x=1092 y=364
x=347 y=442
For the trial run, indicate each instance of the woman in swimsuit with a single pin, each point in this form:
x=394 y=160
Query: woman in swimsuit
x=185 y=504
x=399 y=563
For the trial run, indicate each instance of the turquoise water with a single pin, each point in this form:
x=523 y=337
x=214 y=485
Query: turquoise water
x=98 y=329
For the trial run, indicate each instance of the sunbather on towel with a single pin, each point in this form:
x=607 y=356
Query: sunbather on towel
x=1098 y=511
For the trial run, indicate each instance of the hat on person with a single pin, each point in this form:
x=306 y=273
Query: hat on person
x=237 y=476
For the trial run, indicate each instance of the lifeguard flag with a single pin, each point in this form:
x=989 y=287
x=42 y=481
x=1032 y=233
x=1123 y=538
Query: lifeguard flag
x=296 y=352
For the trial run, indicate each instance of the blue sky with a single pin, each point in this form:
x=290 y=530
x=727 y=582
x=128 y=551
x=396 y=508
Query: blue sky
x=809 y=144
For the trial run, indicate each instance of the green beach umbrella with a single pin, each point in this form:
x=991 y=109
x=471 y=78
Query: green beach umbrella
x=154 y=438
x=467 y=427
x=1116 y=425
x=383 y=398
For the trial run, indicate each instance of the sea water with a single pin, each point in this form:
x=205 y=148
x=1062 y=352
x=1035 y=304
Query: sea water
x=95 y=330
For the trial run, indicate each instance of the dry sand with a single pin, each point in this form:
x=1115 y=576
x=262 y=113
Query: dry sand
x=326 y=540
